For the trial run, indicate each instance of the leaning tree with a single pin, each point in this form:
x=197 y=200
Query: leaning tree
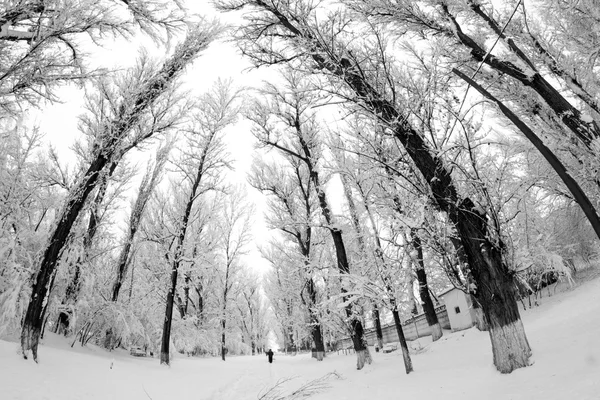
x=318 y=39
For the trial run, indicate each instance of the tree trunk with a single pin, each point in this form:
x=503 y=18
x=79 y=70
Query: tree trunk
x=578 y=194
x=495 y=291
x=291 y=342
x=378 y=331
x=223 y=347
x=122 y=266
x=530 y=78
x=316 y=332
x=428 y=307
x=317 y=337
x=480 y=321
x=403 y=345
x=72 y=292
x=185 y=218
x=362 y=351
x=200 y=310
x=146 y=188
x=34 y=317
x=186 y=287
x=166 y=334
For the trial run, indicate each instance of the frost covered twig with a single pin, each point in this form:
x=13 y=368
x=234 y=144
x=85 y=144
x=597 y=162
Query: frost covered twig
x=308 y=389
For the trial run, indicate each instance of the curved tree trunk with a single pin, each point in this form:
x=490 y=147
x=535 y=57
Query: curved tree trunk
x=360 y=347
x=495 y=291
x=34 y=317
x=578 y=194
x=74 y=286
x=528 y=77
x=223 y=347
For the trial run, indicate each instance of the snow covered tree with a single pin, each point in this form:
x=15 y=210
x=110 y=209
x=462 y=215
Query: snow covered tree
x=130 y=124
x=149 y=182
x=42 y=42
x=305 y=32
x=201 y=164
x=234 y=234
x=293 y=211
x=28 y=202
x=252 y=311
x=284 y=122
x=283 y=286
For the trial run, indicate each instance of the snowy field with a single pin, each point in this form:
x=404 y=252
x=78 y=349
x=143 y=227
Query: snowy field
x=564 y=333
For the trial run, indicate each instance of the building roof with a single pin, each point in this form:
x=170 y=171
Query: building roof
x=445 y=292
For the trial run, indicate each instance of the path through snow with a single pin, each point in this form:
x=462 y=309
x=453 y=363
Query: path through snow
x=564 y=333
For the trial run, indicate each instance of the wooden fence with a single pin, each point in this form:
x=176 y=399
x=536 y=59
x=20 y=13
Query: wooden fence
x=414 y=328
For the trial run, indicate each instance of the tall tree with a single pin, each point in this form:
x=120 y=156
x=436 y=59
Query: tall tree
x=149 y=182
x=202 y=163
x=293 y=207
x=116 y=135
x=299 y=138
x=235 y=235
x=319 y=41
x=28 y=199
x=251 y=311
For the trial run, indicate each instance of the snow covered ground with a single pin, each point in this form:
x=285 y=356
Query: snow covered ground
x=564 y=333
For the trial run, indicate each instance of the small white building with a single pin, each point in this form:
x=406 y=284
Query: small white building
x=460 y=309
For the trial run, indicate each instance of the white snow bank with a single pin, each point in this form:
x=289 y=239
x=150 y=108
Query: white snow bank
x=563 y=333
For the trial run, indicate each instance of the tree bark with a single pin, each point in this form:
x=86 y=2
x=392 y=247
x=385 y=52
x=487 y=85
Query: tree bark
x=480 y=321
x=166 y=333
x=403 y=345
x=378 y=331
x=223 y=348
x=316 y=333
x=428 y=307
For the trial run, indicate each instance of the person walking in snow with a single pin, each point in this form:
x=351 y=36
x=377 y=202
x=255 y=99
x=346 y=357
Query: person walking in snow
x=270 y=355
